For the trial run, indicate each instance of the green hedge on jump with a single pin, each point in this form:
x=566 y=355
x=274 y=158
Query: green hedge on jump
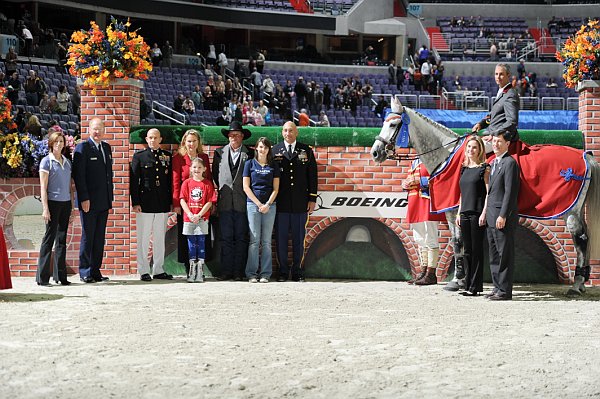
x=334 y=136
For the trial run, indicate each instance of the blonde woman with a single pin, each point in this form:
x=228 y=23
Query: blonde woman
x=474 y=181
x=189 y=149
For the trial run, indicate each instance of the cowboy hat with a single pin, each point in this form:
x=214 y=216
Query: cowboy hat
x=236 y=126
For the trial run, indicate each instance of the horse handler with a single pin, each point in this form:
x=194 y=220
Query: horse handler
x=423 y=223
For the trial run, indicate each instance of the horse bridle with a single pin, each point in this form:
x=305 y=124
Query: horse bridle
x=390 y=146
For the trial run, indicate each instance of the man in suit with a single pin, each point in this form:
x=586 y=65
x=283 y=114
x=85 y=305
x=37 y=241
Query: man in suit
x=150 y=189
x=502 y=217
x=92 y=172
x=296 y=199
x=504 y=116
x=228 y=170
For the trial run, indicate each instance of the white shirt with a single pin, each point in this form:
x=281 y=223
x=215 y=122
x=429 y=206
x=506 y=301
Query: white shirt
x=287 y=146
x=425 y=69
x=501 y=90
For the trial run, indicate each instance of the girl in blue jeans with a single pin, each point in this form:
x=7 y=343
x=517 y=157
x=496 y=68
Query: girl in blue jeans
x=261 y=184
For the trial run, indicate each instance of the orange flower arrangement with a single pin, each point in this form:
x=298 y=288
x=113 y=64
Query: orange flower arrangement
x=99 y=57
x=581 y=55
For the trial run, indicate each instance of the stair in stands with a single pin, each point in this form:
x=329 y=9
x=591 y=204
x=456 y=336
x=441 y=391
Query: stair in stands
x=437 y=41
x=543 y=40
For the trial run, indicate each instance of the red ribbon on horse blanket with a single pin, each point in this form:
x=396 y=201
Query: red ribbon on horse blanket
x=5 y=282
x=552 y=177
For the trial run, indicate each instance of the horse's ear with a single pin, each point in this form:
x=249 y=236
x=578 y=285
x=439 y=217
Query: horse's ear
x=397 y=105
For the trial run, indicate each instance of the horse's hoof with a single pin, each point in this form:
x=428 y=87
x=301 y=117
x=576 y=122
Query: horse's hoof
x=573 y=292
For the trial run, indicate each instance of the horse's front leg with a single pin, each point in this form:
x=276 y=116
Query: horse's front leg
x=458 y=281
x=578 y=231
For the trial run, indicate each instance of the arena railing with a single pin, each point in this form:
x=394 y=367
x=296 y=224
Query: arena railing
x=477 y=102
x=573 y=104
x=168 y=113
x=529 y=103
x=552 y=104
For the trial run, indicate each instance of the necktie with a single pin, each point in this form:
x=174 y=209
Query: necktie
x=101 y=152
x=494 y=164
x=290 y=150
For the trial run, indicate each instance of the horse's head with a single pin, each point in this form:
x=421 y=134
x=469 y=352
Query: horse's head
x=385 y=142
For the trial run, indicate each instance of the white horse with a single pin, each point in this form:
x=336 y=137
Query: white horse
x=434 y=144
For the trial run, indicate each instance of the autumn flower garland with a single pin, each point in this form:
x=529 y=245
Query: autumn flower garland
x=580 y=55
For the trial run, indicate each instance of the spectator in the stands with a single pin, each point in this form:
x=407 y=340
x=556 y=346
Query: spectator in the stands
x=34 y=127
x=13 y=88
x=167 y=54
x=197 y=97
x=63 y=98
x=370 y=55
x=262 y=110
x=188 y=106
x=366 y=93
x=178 y=103
x=53 y=106
x=222 y=61
x=426 y=73
x=257 y=116
x=493 y=52
x=32 y=87
x=256 y=80
x=155 y=55
x=551 y=83
x=400 y=78
x=28 y=37
x=211 y=56
x=301 y=91
x=423 y=54
x=45 y=104
x=382 y=104
x=219 y=84
x=145 y=109
x=228 y=89
x=76 y=100
x=303 y=118
x=323 y=120
x=392 y=72
x=260 y=61
x=521 y=70
x=268 y=86
x=10 y=61
x=62 y=51
x=533 y=92
x=327 y=96
x=457 y=83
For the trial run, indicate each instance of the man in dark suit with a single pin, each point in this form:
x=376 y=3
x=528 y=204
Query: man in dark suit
x=296 y=199
x=504 y=116
x=150 y=189
x=92 y=172
x=502 y=217
x=228 y=170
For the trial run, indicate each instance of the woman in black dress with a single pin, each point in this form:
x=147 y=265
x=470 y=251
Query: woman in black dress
x=474 y=180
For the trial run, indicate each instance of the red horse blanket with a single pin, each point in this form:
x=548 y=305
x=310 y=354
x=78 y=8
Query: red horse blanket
x=5 y=282
x=552 y=177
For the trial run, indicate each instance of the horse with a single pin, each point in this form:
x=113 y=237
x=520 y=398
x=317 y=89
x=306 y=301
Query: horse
x=435 y=144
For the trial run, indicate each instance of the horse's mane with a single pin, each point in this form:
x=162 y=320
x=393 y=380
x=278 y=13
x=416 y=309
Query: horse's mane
x=433 y=123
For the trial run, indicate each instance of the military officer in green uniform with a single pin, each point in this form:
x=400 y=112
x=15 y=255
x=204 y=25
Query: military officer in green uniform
x=295 y=201
x=150 y=189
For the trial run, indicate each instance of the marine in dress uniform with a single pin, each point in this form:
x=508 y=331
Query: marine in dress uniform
x=423 y=223
x=295 y=200
x=150 y=189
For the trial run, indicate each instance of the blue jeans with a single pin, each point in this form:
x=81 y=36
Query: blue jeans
x=261 y=234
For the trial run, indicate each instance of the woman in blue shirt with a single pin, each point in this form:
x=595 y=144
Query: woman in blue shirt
x=261 y=184
x=55 y=181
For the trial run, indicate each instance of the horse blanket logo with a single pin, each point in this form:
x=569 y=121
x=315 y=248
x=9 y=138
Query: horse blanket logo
x=552 y=178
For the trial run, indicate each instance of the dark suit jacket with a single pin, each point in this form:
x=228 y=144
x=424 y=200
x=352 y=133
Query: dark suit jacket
x=504 y=115
x=150 y=181
x=503 y=191
x=231 y=198
x=93 y=177
x=297 y=178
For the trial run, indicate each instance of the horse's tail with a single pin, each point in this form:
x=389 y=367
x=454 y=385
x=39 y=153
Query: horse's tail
x=593 y=209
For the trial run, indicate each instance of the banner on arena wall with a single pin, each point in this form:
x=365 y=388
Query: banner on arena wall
x=358 y=204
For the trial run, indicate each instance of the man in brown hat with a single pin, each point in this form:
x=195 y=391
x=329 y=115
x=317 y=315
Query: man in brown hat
x=228 y=167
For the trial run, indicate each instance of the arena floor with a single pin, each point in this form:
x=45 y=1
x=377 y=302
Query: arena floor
x=128 y=339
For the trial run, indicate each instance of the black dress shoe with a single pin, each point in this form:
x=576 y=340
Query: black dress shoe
x=146 y=277
x=224 y=277
x=101 y=279
x=65 y=282
x=162 y=276
x=44 y=283
x=88 y=280
x=500 y=297
x=238 y=278
x=281 y=279
x=469 y=293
